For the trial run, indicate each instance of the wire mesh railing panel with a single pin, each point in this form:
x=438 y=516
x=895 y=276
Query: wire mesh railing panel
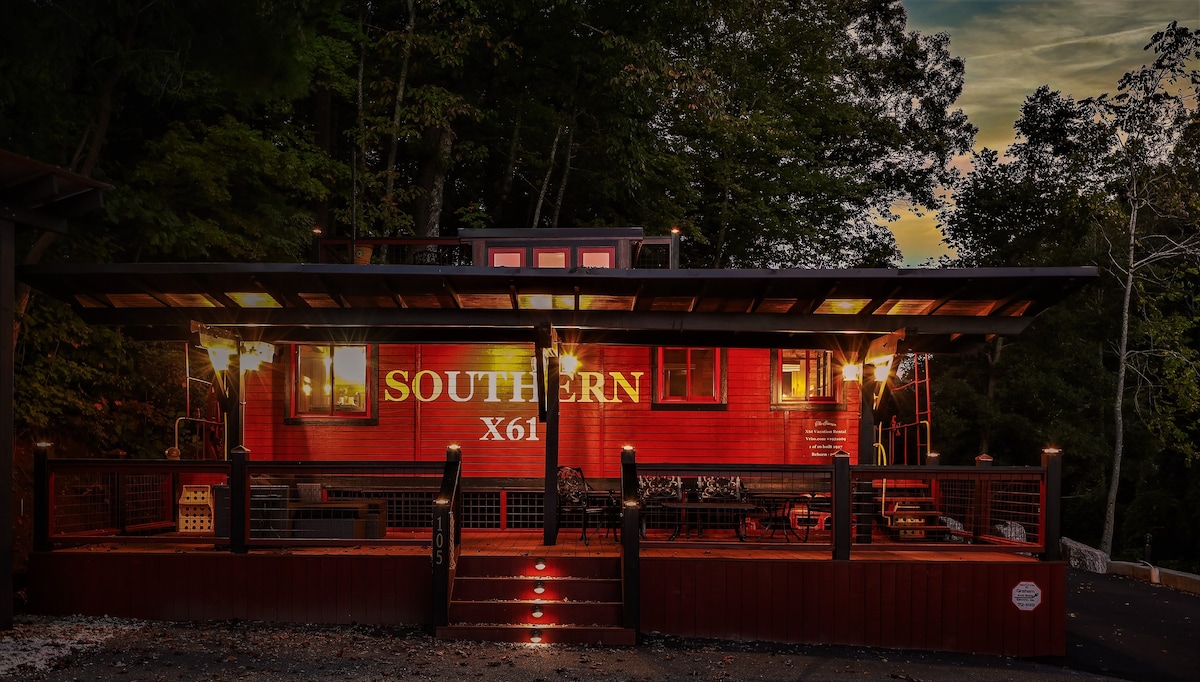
x=147 y=501
x=653 y=257
x=720 y=502
x=524 y=509
x=84 y=503
x=335 y=502
x=987 y=508
x=481 y=509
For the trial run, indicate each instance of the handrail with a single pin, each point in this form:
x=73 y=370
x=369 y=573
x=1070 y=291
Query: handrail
x=213 y=422
x=631 y=548
x=447 y=535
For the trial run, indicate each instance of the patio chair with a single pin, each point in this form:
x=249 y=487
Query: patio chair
x=653 y=491
x=573 y=496
x=723 y=489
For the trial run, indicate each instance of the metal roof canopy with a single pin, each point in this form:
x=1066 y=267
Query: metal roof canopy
x=949 y=310
x=39 y=195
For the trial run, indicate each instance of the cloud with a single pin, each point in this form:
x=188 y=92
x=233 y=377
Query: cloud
x=1012 y=47
x=1079 y=47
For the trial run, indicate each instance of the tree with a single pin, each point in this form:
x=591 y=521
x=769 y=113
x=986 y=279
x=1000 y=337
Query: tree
x=1109 y=181
x=1150 y=228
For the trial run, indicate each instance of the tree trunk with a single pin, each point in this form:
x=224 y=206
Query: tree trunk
x=1110 y=508
x=510 y=174
x=720 y=245
x=433 y=183
x=401 y=86
x=993 y=359
x=562 y=184
x=537 y=211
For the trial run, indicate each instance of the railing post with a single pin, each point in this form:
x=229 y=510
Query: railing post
x=239 y=499
x=550 y=518
x=841 y=505
x=41 y=497
x=8 y=288
x=446 y=536
x=1052 y=507
x=934 y=459
x=631 y=539
x=981 y=509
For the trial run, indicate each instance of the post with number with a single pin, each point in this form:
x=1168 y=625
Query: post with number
x=446 y=535
x=631 y=536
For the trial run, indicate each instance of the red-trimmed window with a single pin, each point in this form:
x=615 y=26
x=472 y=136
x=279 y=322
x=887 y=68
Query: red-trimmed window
x=551 y=257
x=597 y=257
x=689 y=376
x=331 y=382
x=506 y=258
x=805 y=377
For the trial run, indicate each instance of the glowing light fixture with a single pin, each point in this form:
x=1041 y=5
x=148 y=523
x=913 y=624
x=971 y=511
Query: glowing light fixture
x=852 y=372
x=568 y=364
x=882 y=371
x=537 y=611
x=223 y=345
x=254 y=353
x=220 y=349
x=539 y=587
x=540 y=564
x=535 y=635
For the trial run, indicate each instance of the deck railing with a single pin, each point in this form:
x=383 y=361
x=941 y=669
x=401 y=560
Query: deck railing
x=855 y=509
x=394 y=251
x=650 y=253
x=969 y=508
x=833 y=508
x=236 y=502
x=447 y=535
x=766 y=502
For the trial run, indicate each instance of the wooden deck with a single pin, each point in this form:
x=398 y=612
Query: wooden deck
x=947 y=600
x=529 y=543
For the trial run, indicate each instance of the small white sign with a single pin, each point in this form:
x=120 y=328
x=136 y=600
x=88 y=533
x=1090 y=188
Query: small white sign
x=1026 y=595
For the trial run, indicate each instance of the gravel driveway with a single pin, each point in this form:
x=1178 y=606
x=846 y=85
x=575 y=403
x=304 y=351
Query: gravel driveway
x=99 y=649
x=1115 y=626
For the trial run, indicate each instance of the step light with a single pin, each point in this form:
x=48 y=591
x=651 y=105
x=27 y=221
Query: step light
x=535 y=635
x=540 y=564
x=537 y=610
x=538 y=587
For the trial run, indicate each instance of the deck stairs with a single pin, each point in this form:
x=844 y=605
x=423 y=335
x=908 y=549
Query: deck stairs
x=907 y=508
x=496 y=599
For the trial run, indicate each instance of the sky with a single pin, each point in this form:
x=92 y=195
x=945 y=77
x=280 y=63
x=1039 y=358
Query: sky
x=1011 y=47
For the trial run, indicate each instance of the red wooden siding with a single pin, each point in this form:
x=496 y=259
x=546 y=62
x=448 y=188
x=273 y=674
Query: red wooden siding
x=343 y=588
x=960 y=606
x=606 y=405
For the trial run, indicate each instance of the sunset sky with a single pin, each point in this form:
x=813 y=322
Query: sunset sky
x=1079 y=47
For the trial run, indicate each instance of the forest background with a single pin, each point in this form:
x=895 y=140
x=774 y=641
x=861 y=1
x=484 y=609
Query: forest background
x=774 y=133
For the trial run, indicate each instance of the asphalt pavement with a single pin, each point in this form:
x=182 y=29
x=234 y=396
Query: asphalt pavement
x=1134 y=630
